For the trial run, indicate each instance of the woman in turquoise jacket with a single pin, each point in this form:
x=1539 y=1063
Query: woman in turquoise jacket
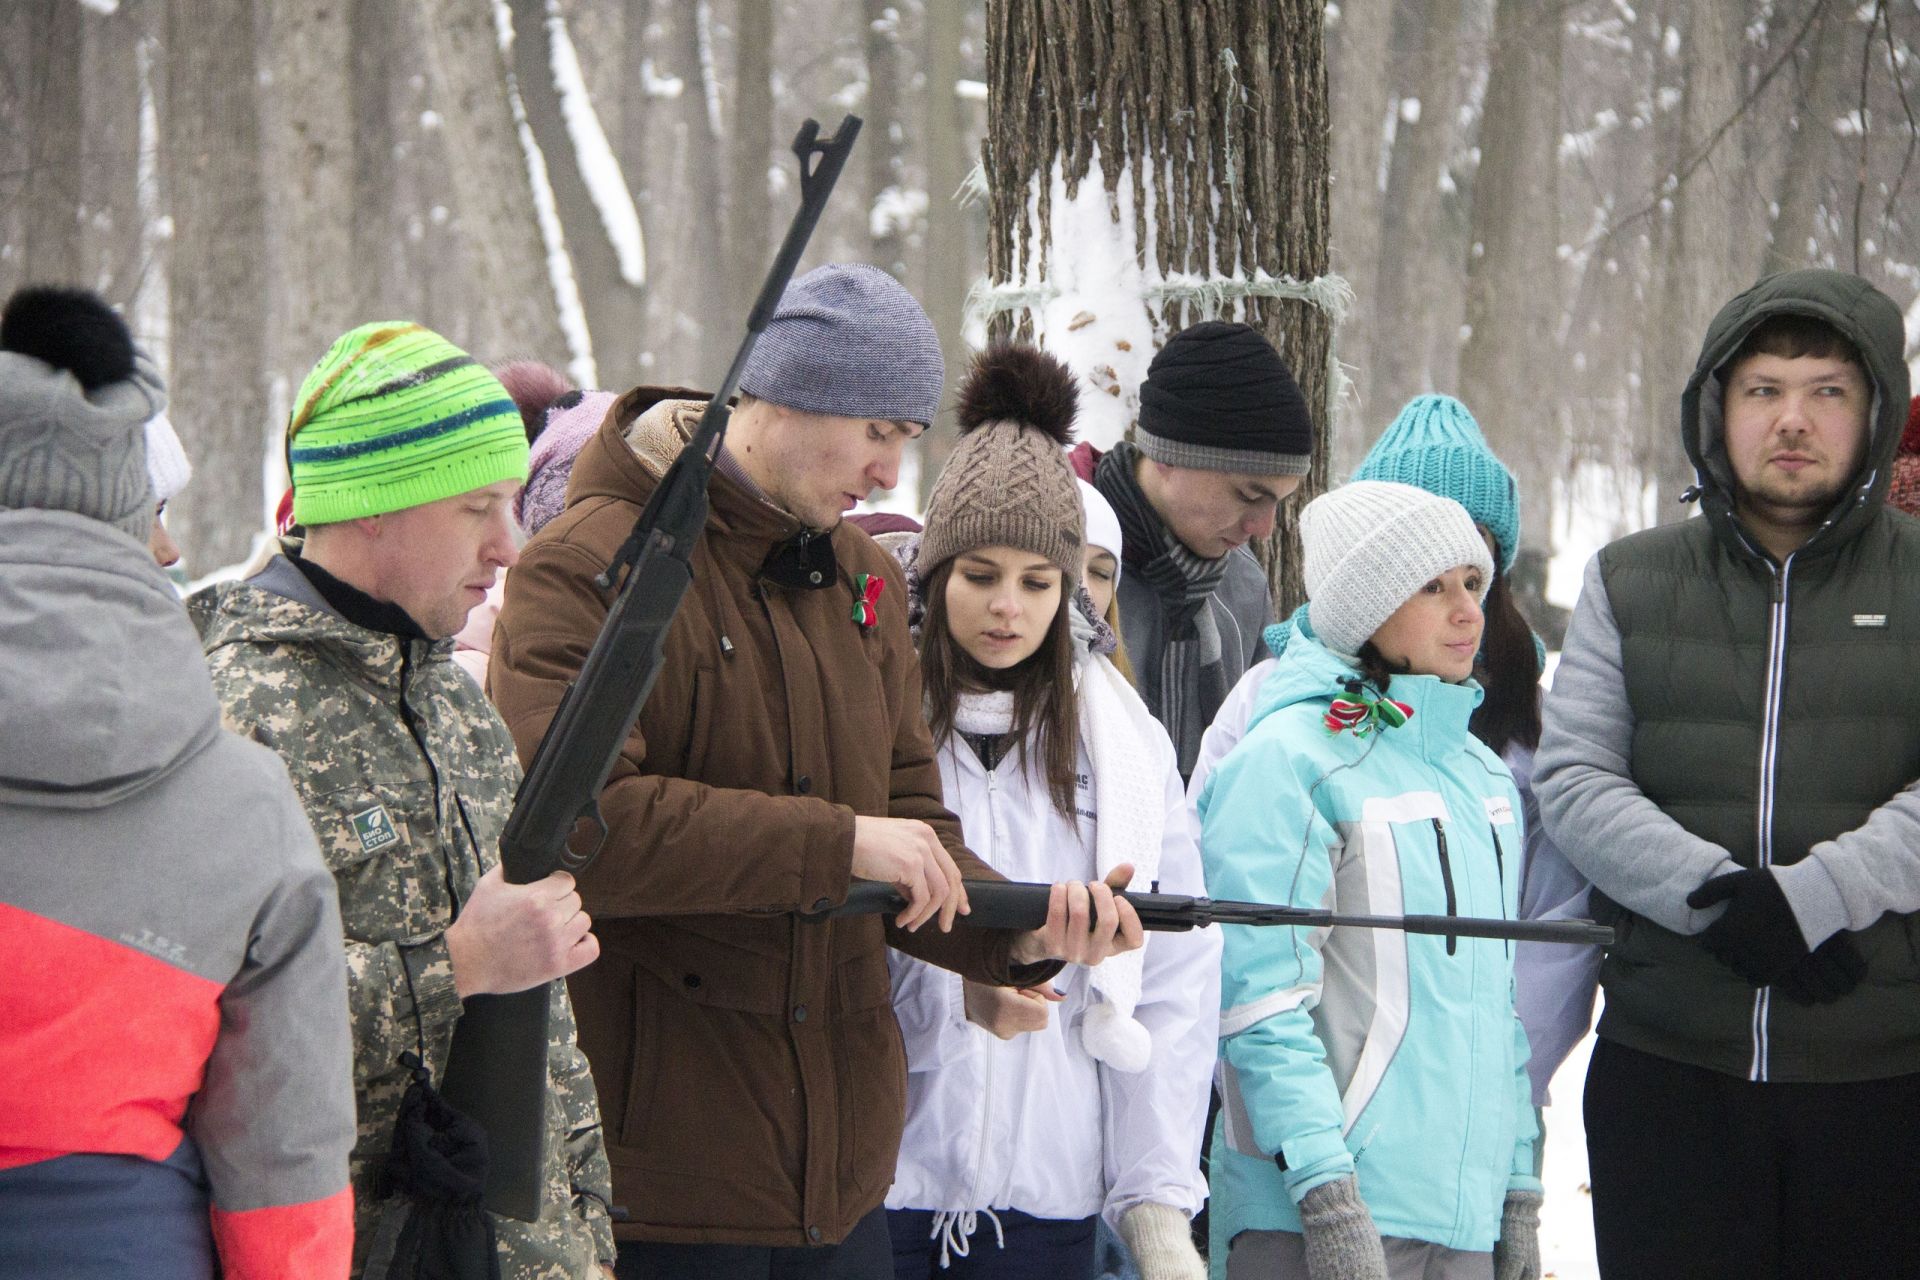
x=1376 y=1120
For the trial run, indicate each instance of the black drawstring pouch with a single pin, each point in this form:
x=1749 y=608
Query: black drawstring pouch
x=439 y=1162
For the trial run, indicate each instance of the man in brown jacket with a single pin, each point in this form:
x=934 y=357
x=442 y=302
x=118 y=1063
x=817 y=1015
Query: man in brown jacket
x=750 y=1071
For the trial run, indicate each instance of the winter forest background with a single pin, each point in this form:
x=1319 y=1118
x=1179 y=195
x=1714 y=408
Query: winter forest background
x=1533 y=204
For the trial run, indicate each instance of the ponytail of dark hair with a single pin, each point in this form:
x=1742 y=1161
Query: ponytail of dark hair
x=1509 y=671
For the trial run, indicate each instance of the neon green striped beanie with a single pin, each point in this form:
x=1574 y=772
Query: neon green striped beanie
x=394 y=416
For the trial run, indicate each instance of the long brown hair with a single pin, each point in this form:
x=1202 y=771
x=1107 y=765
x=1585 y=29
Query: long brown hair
x=1508 y=670
x=1046 y=718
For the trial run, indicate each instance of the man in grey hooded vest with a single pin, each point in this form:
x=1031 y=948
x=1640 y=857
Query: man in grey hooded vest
x=1730 y=754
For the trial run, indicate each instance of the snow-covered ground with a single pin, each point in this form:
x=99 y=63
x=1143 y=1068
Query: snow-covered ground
x=1566 y=1223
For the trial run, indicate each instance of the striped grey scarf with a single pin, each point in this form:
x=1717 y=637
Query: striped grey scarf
x=1192 y=678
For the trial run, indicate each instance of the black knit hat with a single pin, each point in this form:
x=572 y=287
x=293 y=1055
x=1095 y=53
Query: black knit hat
x=1218 y=397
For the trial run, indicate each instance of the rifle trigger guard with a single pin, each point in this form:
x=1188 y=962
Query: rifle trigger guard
x=576 y=862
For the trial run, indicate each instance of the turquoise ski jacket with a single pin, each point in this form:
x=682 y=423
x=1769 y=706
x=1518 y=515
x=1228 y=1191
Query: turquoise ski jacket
x=1392 y=1056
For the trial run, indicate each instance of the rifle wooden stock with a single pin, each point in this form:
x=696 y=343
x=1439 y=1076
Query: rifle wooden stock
x=1010 y=904
x=497 y=1068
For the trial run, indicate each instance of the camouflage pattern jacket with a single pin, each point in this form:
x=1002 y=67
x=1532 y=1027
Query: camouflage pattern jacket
x=407 y=775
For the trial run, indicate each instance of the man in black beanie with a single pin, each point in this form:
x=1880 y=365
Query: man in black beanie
x=1224 y=436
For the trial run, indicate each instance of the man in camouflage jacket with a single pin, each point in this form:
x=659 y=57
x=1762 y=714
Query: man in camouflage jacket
x=336 y=656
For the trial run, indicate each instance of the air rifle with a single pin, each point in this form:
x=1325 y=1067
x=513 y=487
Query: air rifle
x=497 y=1068
x=1006 y=904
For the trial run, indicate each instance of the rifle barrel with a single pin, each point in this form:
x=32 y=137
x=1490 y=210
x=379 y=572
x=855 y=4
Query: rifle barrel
x=1009 y=904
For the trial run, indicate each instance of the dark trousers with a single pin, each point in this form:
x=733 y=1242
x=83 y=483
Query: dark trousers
x=1036 y=1248
x=863 y=1255
x=1703 y=1176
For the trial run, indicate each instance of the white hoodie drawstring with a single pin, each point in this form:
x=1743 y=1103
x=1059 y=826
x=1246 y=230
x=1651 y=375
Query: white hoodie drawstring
x=951 y=1227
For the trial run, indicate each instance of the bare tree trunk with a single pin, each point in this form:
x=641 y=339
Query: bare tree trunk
x=1416 y=272
x=381 y=263
x=1222 y=107
x=615 y=309
x=681 y=189
x=751 y=149
x=109 y=231
x=219 y=289
x=1513 y=273
x=1707 y=252
x=882 y=136
x=1830 y=64
x=55 y=136
x=517 y=314
x=1361 y=87
x=947 y=279
x=308 y=173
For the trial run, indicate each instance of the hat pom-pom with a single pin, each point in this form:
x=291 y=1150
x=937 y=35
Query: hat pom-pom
x=1116 y=1039
x=1014 y=382
x=71 y=329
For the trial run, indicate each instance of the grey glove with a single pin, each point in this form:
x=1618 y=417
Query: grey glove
x=1161 y=1241
x=1516 y=1255
x=1342 y=1242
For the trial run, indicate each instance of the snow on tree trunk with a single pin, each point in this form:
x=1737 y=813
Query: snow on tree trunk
x=596 y=212
x=890 y=208
x=1832 y=63
x=1149 y=166
x=219 y=299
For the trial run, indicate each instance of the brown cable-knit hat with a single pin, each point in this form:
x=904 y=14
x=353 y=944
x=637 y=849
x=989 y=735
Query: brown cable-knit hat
x=1007 y=483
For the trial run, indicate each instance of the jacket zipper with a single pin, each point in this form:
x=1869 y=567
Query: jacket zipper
x=433 y=772
x=1446 y=877
x=987 y=1056
x=1769 y=760
x=1500 y=869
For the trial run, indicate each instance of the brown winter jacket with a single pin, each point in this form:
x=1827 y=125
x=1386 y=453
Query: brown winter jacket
x=750 y=1071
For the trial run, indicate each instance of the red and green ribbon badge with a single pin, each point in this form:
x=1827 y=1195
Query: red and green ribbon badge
x=1363 y=713
x=866 y=592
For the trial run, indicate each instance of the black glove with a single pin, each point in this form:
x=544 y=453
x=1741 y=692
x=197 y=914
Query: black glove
x=1834 y=969
x=1757 y=937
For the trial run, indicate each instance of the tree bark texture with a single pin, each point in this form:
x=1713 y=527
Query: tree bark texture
x=1215 y=114
x=516 y=314
x=1826 y=71
x=220 y=288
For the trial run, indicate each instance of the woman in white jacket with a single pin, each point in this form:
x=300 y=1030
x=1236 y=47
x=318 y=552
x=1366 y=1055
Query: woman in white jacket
x=1030 y=1117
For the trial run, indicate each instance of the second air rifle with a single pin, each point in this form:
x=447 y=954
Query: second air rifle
x=1004 y=904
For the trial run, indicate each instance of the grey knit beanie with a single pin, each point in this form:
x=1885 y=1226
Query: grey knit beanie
x=75 y=397
x=1007 y=483
x=848 y=340
x=1370 y=545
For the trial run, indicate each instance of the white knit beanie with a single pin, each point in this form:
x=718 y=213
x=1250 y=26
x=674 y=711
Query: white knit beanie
x=1103 y=523
x=167 y=467
x=1370 y=545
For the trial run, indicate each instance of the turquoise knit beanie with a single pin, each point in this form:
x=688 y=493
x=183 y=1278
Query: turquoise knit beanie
x=1436 y=445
